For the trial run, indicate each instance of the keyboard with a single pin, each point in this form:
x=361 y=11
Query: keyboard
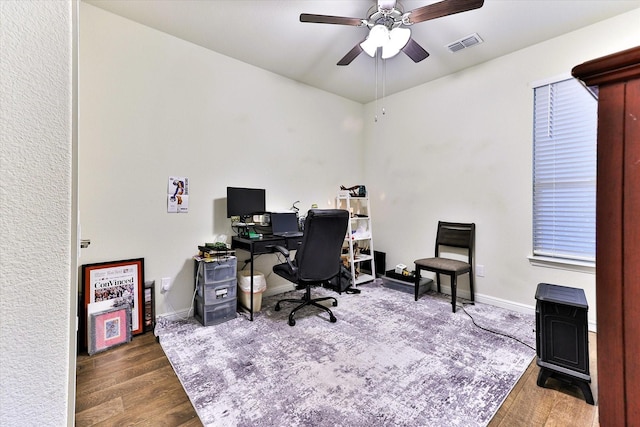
x=289 y=234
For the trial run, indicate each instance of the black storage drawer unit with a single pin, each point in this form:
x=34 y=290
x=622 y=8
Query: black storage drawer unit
x=405 y=283
x=562 y=340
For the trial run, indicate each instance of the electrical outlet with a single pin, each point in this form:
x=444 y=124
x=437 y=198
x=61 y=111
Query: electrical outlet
x=480 y=270
x=166 y=283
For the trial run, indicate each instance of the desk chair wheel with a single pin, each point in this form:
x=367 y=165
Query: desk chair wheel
x=292 y=321
x=277 y=307
x=333 y=319
x=335 y=303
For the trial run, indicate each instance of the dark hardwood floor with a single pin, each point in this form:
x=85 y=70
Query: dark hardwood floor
x=554 y=405
x=135 y=385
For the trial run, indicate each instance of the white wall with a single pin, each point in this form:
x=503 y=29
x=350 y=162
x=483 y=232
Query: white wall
x=460 y=149
x=152 y=106
x=37 y=268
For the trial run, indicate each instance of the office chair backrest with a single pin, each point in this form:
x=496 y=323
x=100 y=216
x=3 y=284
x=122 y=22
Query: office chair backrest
x=457 y=235
x=318 y=257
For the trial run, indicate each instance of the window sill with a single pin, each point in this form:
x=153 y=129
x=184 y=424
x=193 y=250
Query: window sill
x=563 y=264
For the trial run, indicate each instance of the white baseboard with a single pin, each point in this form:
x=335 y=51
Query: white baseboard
x=484 y=299
x=503 y=303
x=177 y=315
x=446 y=289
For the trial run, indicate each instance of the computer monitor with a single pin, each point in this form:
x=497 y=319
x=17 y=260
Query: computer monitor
x=244 y=202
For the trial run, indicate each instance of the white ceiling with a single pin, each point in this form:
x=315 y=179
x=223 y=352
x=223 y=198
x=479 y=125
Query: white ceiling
x=269 y=35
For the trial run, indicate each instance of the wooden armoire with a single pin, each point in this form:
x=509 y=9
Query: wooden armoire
x=617 y=77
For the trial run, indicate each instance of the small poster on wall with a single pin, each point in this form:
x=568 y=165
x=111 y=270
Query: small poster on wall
x=178 y=194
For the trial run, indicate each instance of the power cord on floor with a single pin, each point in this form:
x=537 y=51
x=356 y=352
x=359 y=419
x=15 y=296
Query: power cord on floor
x=492 y=331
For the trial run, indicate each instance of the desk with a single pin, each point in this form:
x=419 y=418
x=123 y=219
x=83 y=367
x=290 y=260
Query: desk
x=263 y=245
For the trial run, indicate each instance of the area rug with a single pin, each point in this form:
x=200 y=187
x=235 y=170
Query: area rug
x=387 y=361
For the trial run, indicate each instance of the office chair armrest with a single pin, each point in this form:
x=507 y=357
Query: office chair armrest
x=285 y=252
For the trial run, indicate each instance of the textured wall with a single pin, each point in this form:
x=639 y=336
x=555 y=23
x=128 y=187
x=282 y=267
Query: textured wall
x=35 y=218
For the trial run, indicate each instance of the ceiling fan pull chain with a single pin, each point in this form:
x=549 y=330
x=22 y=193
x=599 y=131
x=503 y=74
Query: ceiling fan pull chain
x=384 y=83
x=375 y=118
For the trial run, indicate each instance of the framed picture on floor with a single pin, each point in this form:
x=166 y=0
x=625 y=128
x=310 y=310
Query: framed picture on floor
x=109 y=328
x=149 y=305
x=115 y=283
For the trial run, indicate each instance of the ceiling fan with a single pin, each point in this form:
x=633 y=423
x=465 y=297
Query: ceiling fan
x=388 y=27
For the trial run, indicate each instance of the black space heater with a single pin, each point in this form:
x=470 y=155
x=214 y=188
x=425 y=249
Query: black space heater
x=562 y=341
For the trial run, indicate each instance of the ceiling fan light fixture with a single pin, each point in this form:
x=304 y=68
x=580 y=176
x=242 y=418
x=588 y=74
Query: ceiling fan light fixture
x=391 y=42
x=369 y=47
x=378 y=36
x=389 y=52
x=398 y=38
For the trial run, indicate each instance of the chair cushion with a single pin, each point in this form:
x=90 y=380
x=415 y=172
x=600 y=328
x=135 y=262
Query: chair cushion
x=442 y=264
x=284 y=270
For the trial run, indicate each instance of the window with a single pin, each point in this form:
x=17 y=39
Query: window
x=564 y=171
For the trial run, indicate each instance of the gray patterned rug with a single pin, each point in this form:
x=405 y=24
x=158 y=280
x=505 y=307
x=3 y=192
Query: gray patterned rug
x=388 y=361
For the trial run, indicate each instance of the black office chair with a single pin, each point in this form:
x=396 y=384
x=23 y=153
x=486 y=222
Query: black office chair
x=317 y=259
x=456 y=235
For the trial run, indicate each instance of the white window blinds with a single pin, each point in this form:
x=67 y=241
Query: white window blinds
x=564 y=171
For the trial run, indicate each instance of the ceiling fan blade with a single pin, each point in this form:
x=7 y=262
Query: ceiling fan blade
x=327 y=19
x=443 y=8
x=351 y=55
x=415 y=51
